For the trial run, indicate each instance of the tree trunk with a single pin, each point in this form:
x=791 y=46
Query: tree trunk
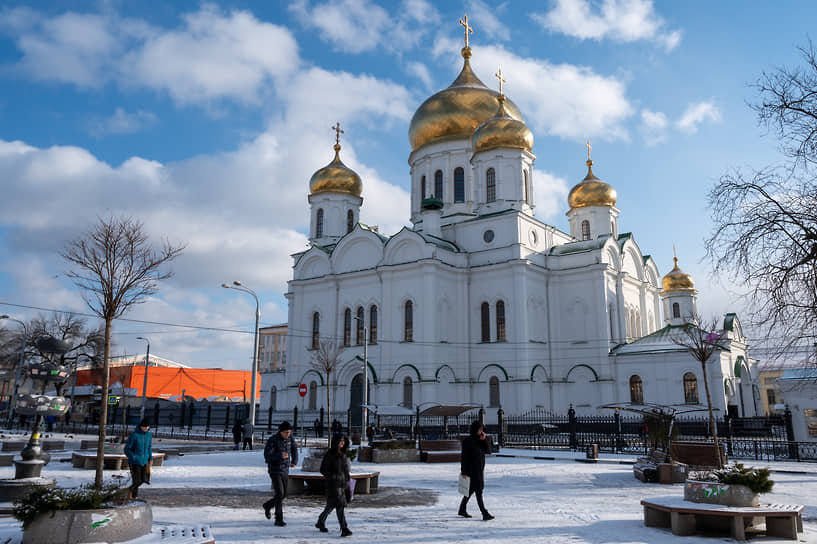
x=712 y=424
x=328 y=411
x=103 y=410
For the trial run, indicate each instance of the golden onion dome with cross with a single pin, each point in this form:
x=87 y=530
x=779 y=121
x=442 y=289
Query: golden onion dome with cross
x=502 y=130
x=591 y=191
x=336 y=177
x=456 y=111
x=677 y=280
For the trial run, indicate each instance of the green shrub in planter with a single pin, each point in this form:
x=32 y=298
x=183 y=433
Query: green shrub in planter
x=85 y=497
x=756 y=479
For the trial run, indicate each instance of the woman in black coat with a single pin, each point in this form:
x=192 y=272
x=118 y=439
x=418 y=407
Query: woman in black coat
x=472 y=464
x=335 y=469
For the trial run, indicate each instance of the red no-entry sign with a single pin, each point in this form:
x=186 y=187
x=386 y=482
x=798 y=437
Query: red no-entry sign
x=302 y=389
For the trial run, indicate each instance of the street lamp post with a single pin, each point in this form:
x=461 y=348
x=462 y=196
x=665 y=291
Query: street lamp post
x=145 y=381
x=13 y=391
x=364 y=412
x=240 y=287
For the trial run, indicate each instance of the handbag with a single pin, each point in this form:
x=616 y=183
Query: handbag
x=350 y=490
x=465 y=485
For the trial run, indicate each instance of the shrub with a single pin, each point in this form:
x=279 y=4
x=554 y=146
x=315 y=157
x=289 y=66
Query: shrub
x=86 y=497
x=756 y=479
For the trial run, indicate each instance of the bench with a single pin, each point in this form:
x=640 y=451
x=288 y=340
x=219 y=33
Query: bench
x=685 y=518
x=51 y=445
x=111 y=461
x=177 y=534
x=6 y=459
x=312 y=482
x=646 y=468
x=696 y=454
x=440 y=451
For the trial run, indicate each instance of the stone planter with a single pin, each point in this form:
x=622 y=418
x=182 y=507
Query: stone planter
x=395 y=456
x=717 y=493
x=115 y=524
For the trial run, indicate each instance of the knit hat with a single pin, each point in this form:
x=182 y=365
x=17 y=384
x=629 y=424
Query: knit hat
x=284 y=426
x=145 y=422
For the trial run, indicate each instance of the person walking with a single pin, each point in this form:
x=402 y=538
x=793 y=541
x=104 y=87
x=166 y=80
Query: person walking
x=335 y=469
x=318 y=425
x=246 y=433
x=337 y=428
x=472 y=465
x=280 y=453
x=139 y=451
x=236 y=434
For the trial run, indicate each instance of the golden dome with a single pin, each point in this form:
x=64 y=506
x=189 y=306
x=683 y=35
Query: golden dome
x=336 y=177
x=591 y=191
x=502 y=131
x=456 y=111
x=677 y=280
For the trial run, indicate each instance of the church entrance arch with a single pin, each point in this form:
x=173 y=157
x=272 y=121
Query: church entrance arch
x=356 y=400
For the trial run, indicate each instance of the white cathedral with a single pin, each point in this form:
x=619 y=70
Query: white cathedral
x=481 y=303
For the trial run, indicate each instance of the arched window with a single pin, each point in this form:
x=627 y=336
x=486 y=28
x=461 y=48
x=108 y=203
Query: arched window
x=408 y=324
x=585 y=230
x=676 y=309
x=408 y=401
x=313 y=395
x=493 y=392
x=500 y=321
x=490 y=185
x=636 y=390
x=690 y=388
x=373 y=324
x=319 y=223
x=438 y=184
x=360 y=324
x=485 y=318
x=350 y=220
x=422 y=188
x=316 y=329
x=459 y=184
x=525 y=191
x=273 y=397
x=347 y=327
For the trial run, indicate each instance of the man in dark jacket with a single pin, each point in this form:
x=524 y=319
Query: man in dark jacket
x=280 y=453
x=335 y=469
x=139 y=451
x=246 y=433
x=237 y=433
x=472 y=464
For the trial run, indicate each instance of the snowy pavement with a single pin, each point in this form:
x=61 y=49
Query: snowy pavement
x=534 y=501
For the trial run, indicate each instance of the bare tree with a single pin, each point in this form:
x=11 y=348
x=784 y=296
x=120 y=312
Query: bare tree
x=325 y=361
x=765 y=221
x=115 y=267
x=702 y=343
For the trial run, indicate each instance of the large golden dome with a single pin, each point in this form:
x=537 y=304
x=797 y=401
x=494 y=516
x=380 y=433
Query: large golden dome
x=336 y=177
x=456 y=111
x=591 y=191
x=502 y=131
x=677 y=280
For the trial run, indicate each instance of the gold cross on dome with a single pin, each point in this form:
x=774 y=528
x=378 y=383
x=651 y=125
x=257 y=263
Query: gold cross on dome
x=468 y=29
x=501 y=79
x=338 y=132
x=589 y=149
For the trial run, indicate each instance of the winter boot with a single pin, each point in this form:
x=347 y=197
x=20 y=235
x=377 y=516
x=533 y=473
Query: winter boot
x=463 y=511
x=279 y=522
x=345 y=532
x=268 y=510
x=486 y=516
x=321 y=527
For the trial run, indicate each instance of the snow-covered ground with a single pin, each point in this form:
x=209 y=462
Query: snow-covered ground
x=534 y=501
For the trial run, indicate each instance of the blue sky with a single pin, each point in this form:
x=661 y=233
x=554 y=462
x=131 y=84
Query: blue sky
x=206 y=120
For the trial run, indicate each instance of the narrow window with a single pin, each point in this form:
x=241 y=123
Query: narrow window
x=347 y=327
x=459 y=185
x=360 y=324
x=676 y=309
x=636 y=390
x=485 y=315
x=273 y=397
x=408 y=329
x=690 y=388
x=438 y=184
x=316 y=329
x=313 y=395
x=350 y=220
x=490 y=185
x=493 y=392
x=422 y=188
x=585 y=230
x=407 y=392
x=319 y=223
x=373 y=324
x=500 y=321
x=525 y=186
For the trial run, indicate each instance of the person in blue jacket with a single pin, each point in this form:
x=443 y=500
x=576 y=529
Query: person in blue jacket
x=139 y=452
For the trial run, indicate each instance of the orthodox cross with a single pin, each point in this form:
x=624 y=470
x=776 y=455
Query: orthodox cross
x=338 y=132
x=498 y=75
x=589 y=149
x=468 y=29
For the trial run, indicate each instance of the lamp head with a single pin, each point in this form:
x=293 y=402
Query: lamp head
x=4 y=316
x=225 y=285
x=236 y=282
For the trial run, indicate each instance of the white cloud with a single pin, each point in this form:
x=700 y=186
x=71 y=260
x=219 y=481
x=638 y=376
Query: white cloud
x=550 y=195
x=653 y=126
x=697 y=113
x=420 y=71
x=560 y=99
x=484 y=20
x=619 y=20
x=123 y=122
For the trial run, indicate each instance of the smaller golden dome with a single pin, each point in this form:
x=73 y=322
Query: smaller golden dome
x=591 y=191
x=677 y=280
x=502 y=130
x=336 y=177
